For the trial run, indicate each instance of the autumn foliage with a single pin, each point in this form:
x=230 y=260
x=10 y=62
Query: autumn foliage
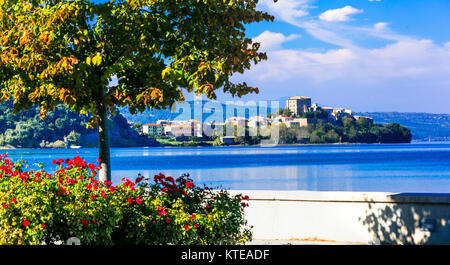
x=62 y=51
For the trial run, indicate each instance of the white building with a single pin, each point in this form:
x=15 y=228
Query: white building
x=369 y=119
x=153 y=129
x=181 y=128
x=258 y=121
x=237 y=121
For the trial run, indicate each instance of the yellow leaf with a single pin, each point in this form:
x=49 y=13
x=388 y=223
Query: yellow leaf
x=97 y=59
x=164 y=72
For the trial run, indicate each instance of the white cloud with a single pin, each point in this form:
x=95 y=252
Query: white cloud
x=287 y=10
x=408 y=60
x=272 y=41
x=380 y=26
x=405 y=69
x=339 y=14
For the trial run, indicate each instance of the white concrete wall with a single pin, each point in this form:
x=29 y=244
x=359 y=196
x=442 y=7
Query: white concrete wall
x=346 y=217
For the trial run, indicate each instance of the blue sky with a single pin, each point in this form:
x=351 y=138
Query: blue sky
x=366 y=55
x=386 y=55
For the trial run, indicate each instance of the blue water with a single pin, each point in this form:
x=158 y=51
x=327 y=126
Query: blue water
x=390 y=168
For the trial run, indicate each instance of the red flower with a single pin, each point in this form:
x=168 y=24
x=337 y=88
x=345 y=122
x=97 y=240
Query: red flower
x=99 y=160
x=186 y=227
x=139 y=179
x=195 y=225
x=13 y=200
x=170 y=179
x=84 y=222
x=26 y=223
x=43 y=225
x=91 y=166
x=161 y=211
x=189 y=184
x=138 y=201
x=94 y=222
x=4 y=205
x=130 y=200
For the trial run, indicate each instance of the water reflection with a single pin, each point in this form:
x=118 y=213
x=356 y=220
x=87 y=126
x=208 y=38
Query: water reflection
x=394 y=168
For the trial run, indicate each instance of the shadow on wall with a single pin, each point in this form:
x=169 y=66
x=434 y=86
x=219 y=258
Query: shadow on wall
x=409 y=218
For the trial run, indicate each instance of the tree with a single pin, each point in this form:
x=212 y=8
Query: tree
x=70 y=51
x=317 y=114
x=137 y=126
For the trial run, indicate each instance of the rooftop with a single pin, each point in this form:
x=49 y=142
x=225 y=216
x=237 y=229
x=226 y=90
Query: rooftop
x=152 y=124
x=299 y=97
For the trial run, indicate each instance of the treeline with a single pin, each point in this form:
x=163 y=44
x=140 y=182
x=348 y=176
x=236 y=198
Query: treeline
x=424 y=126
x=347 y=130
x=61 y=128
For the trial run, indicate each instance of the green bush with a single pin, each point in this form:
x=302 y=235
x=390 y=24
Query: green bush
x=43 y=208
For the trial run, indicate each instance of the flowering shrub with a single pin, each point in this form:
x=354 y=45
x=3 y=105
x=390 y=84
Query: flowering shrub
x=42 y=208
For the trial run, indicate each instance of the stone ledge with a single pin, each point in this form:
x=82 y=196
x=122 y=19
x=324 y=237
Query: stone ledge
x=345 y=196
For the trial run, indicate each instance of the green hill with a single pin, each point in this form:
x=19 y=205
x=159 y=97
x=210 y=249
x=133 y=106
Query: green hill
x=27 y=130
x=423 y=126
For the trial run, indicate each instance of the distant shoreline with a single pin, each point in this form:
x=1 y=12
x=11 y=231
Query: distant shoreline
x=235 y=145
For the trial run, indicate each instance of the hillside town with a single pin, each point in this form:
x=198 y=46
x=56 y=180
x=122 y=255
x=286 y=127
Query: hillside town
x=296 y=114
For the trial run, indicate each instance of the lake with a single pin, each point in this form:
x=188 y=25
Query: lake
x=417 y=167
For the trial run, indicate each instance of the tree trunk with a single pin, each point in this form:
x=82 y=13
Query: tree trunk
x=103 y=143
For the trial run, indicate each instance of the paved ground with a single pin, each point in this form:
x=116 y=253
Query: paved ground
x=304 y=241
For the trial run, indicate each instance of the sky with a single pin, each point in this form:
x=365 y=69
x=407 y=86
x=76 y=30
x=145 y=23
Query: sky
x=366 y=55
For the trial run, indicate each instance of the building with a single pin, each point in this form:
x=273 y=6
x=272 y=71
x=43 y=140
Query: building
x=300 y=122
x=237 y=121
x=343 y=111
x=298 y=105
x=153 y=129
x=164 y=122
x=196 y=128
x=282 y=118
x=258 y=121
x=369 y=119
x=183 y=128
x=177 y=130
x=336 y=114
